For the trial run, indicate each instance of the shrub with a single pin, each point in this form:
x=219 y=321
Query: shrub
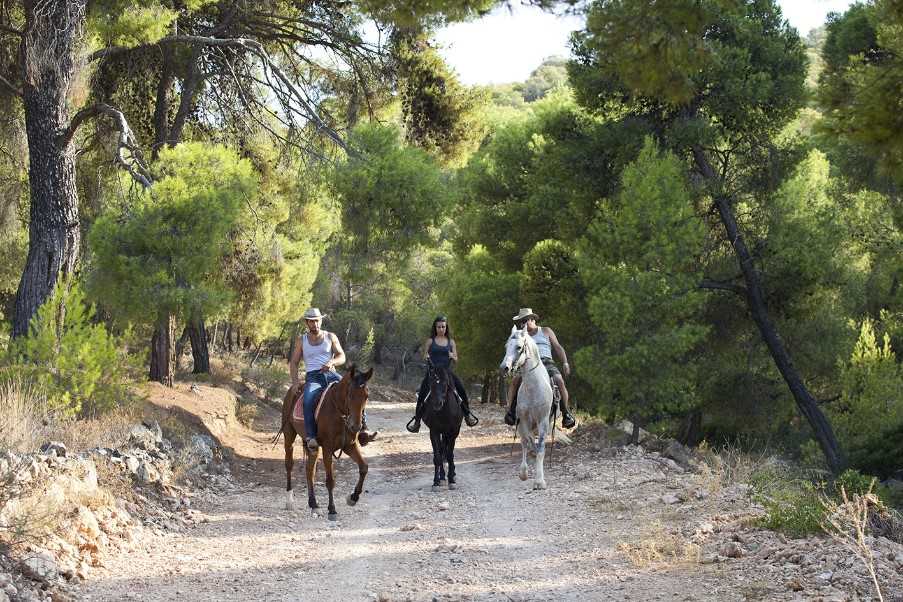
x=796 y=504
x=272 y=380
x=82 y=368
x=869 y=417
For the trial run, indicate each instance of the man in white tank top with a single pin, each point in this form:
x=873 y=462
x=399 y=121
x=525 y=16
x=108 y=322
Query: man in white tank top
x=321 y=352
x=547 y=342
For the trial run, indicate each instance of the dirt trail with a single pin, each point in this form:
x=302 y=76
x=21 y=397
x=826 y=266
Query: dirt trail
x=492 y=539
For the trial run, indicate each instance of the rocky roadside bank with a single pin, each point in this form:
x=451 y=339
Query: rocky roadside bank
x=64 y=513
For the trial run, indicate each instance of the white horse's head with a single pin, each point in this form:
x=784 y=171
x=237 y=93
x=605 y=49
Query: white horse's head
x=516 y=350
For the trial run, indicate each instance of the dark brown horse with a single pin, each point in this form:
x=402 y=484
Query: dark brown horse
x=338 y=426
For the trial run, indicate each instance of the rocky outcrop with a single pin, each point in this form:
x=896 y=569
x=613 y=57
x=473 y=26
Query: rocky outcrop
x=88 y=517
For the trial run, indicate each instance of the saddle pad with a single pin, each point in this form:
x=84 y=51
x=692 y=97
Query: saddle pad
x=298 y=408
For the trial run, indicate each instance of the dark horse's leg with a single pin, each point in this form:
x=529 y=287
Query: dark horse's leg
x=311 y=470
x=450 y=458
x=438 y=471
x=329 y=467
x=288 y=432
x=354 y=453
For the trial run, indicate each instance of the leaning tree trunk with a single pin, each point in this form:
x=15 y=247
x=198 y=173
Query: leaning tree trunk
x=755 y=299
x=48 y=49
x=199 y=349
x=180 y=348
x=161 y=351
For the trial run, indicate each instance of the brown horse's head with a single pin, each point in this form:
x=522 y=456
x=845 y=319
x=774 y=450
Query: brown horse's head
x=354 y=385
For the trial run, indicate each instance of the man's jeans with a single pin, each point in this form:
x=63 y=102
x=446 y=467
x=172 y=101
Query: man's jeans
x=314 y=383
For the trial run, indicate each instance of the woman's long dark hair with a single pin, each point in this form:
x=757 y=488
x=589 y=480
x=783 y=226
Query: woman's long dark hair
x=434 y=334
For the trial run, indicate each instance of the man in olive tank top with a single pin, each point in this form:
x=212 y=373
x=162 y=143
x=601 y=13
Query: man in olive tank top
x=547 y=342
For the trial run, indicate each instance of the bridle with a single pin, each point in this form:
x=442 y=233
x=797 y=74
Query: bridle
x=435 y=377
x=518 y=365
x=345 y=413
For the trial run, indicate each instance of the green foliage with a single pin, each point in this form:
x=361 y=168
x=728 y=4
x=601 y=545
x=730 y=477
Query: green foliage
x=794 y=503
x=870 y=414
x=82 y=368
x=739 y=63
x=440 y=115
x=271 y=380
x=480 y=295
x=276 y=243
x=164 y=255
x=638 y=263
x=860 y=85
x=132 y=23
x=391 y=196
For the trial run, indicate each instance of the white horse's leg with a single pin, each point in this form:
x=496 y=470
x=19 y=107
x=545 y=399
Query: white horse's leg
x=289 y=500
x=539 y=481
x=526 y=443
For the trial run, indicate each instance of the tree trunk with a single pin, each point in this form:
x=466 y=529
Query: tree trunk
x=199 y=351
x=227 y=338
x=755 y=299
x=48 y=49
x=180 y=348
x=161 y=351
x=691 y=431
x=213 y=338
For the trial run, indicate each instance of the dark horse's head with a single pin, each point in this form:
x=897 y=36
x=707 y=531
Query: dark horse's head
x=441 y=387
x=354 y=392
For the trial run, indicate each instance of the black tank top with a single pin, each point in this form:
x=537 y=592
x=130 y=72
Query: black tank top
x=439 y=354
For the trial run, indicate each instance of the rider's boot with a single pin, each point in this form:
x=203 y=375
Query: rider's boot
x=469 y=417
x=413 y=424
x=363 y=436
x=510 y=415
x=567 y=419
x=312 y=444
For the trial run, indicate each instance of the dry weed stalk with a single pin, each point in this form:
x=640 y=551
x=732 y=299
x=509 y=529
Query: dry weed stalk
x=658 y=546
x=847 y=524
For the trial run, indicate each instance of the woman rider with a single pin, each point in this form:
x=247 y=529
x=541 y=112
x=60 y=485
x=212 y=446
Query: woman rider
x=440 y=349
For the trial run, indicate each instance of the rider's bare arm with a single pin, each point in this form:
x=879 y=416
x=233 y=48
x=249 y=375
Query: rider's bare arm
x=425 y=349
x=453 y=349
x=295 y=360
x=338 y=354
x=559 y=350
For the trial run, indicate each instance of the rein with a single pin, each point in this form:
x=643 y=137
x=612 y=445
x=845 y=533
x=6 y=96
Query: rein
x=345 y=415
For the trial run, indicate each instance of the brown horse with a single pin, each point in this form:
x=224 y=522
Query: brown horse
x=338 y=426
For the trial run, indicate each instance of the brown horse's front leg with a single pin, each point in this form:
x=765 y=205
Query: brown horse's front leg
x=354 y=452
x=311 y=470
x=288 y=431
x=329 y=467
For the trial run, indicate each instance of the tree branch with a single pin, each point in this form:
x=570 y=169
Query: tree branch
x=126 y=142
x=283 y=86
x=717 y=285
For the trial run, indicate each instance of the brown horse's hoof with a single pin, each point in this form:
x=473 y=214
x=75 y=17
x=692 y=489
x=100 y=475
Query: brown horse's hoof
x=350 y=499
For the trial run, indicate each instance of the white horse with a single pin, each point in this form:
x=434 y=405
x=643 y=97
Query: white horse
x=534 y=399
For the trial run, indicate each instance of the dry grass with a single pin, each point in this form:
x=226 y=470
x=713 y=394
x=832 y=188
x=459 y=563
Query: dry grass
x=24 y=416
x=849 y=520
x=730 y=465
x=660 y=547
x=246 y=412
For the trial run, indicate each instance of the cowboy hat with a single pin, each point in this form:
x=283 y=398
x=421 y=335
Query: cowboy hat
x=313 y=313
x=524 y=313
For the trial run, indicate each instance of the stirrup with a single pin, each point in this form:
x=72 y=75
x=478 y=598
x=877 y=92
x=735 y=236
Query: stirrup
x=413 y=425
x=471 y=419
x=312 y=444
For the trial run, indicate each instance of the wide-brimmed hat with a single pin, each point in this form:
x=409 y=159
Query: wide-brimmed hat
x=313 y=313
x=524 y=313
